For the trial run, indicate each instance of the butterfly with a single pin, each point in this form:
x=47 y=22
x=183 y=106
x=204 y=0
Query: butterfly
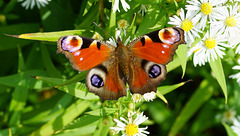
x=141 y=64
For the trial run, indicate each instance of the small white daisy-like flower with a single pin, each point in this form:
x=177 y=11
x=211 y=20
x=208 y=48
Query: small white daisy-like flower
x=212 y=44
x=236 y=125
x=229 y=116
x=116 y=5
x=118 y=33
x=149 y=96
x=31 y=3
x=143 y=9
x=188 y=24
x=130 y=127
x=136 y=97
x=122 y=24
x=97 y=36
x=236 y=76
x=205 y=9
x=228 y=23
x=199 y=58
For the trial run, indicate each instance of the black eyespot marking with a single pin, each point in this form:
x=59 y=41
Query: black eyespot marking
x=97 y=81
x=98 y=45
x=154 y=71
x=143 y=41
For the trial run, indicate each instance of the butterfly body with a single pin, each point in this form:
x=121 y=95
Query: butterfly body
x=141 y=63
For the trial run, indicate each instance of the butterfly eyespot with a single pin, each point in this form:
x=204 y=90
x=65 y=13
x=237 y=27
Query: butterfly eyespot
x=169 y=35
x=97 y=81
x=96 y=78
x=154 y=71
x=71 y=43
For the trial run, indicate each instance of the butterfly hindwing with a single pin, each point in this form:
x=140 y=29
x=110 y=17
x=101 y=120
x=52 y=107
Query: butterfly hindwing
x=84 y=53
x=106 y=81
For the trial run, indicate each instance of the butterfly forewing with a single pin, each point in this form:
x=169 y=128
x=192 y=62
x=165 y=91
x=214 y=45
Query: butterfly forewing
x=84 y=53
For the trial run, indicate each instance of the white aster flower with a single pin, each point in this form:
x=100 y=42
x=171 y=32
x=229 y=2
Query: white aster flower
x=236 y=76
x=136 y=97
x=122 y=24
x=229 y=116
x=205 y=9
x=236 y=125
x=188 y=24
x=149 y=96
x=199 y=58
x=32 y=3
x=212 y=45
x=116 y=5
x=228 y=23
x=143 y=9
x=97 y=36
x=130 y=127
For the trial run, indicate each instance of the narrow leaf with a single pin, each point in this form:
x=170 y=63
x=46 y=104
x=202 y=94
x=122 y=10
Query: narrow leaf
x=201 y=95
x=76 y=89
x=76 y=109
x=217 y=69
x=51 y=69
x=229 y=130
x=182 y=55
x=168 y=88
x=49 y=36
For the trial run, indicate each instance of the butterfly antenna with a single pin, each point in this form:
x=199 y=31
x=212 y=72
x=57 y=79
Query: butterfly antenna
x=103 y=31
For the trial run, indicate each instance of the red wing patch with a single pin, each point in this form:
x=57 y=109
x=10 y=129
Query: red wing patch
x=153 y=51
x=88 y=58
x=83 y=53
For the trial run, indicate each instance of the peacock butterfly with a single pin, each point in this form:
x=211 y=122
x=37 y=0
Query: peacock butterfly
x=141 y=63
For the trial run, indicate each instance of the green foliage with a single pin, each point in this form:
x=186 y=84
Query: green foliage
x=40 y=93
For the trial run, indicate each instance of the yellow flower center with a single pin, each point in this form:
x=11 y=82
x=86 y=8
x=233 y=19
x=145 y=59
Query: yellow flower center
x=122 y=24
x=231 y=21
x=206 y=8
x=210 y=43
x=187 y=25
x=131 y=129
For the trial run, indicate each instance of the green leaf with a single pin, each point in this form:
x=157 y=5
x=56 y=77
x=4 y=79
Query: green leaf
x=83 y=121
x=76 y=89
x=46 y=110
x=182 y=55
x=154 y=11
x=112 y=22
x=10 y=42
x=56 y=124
x=201 y=95
x=99 y=112
x=21 y=65
x=24 y=79
x=51 y=69
x=173 y=64
x=50 y=36
x=89 y=17
x=168 y=88
x=217 y=69
x=104 y=126
x=229 y=130
x=17 y=105
x=79 y=77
